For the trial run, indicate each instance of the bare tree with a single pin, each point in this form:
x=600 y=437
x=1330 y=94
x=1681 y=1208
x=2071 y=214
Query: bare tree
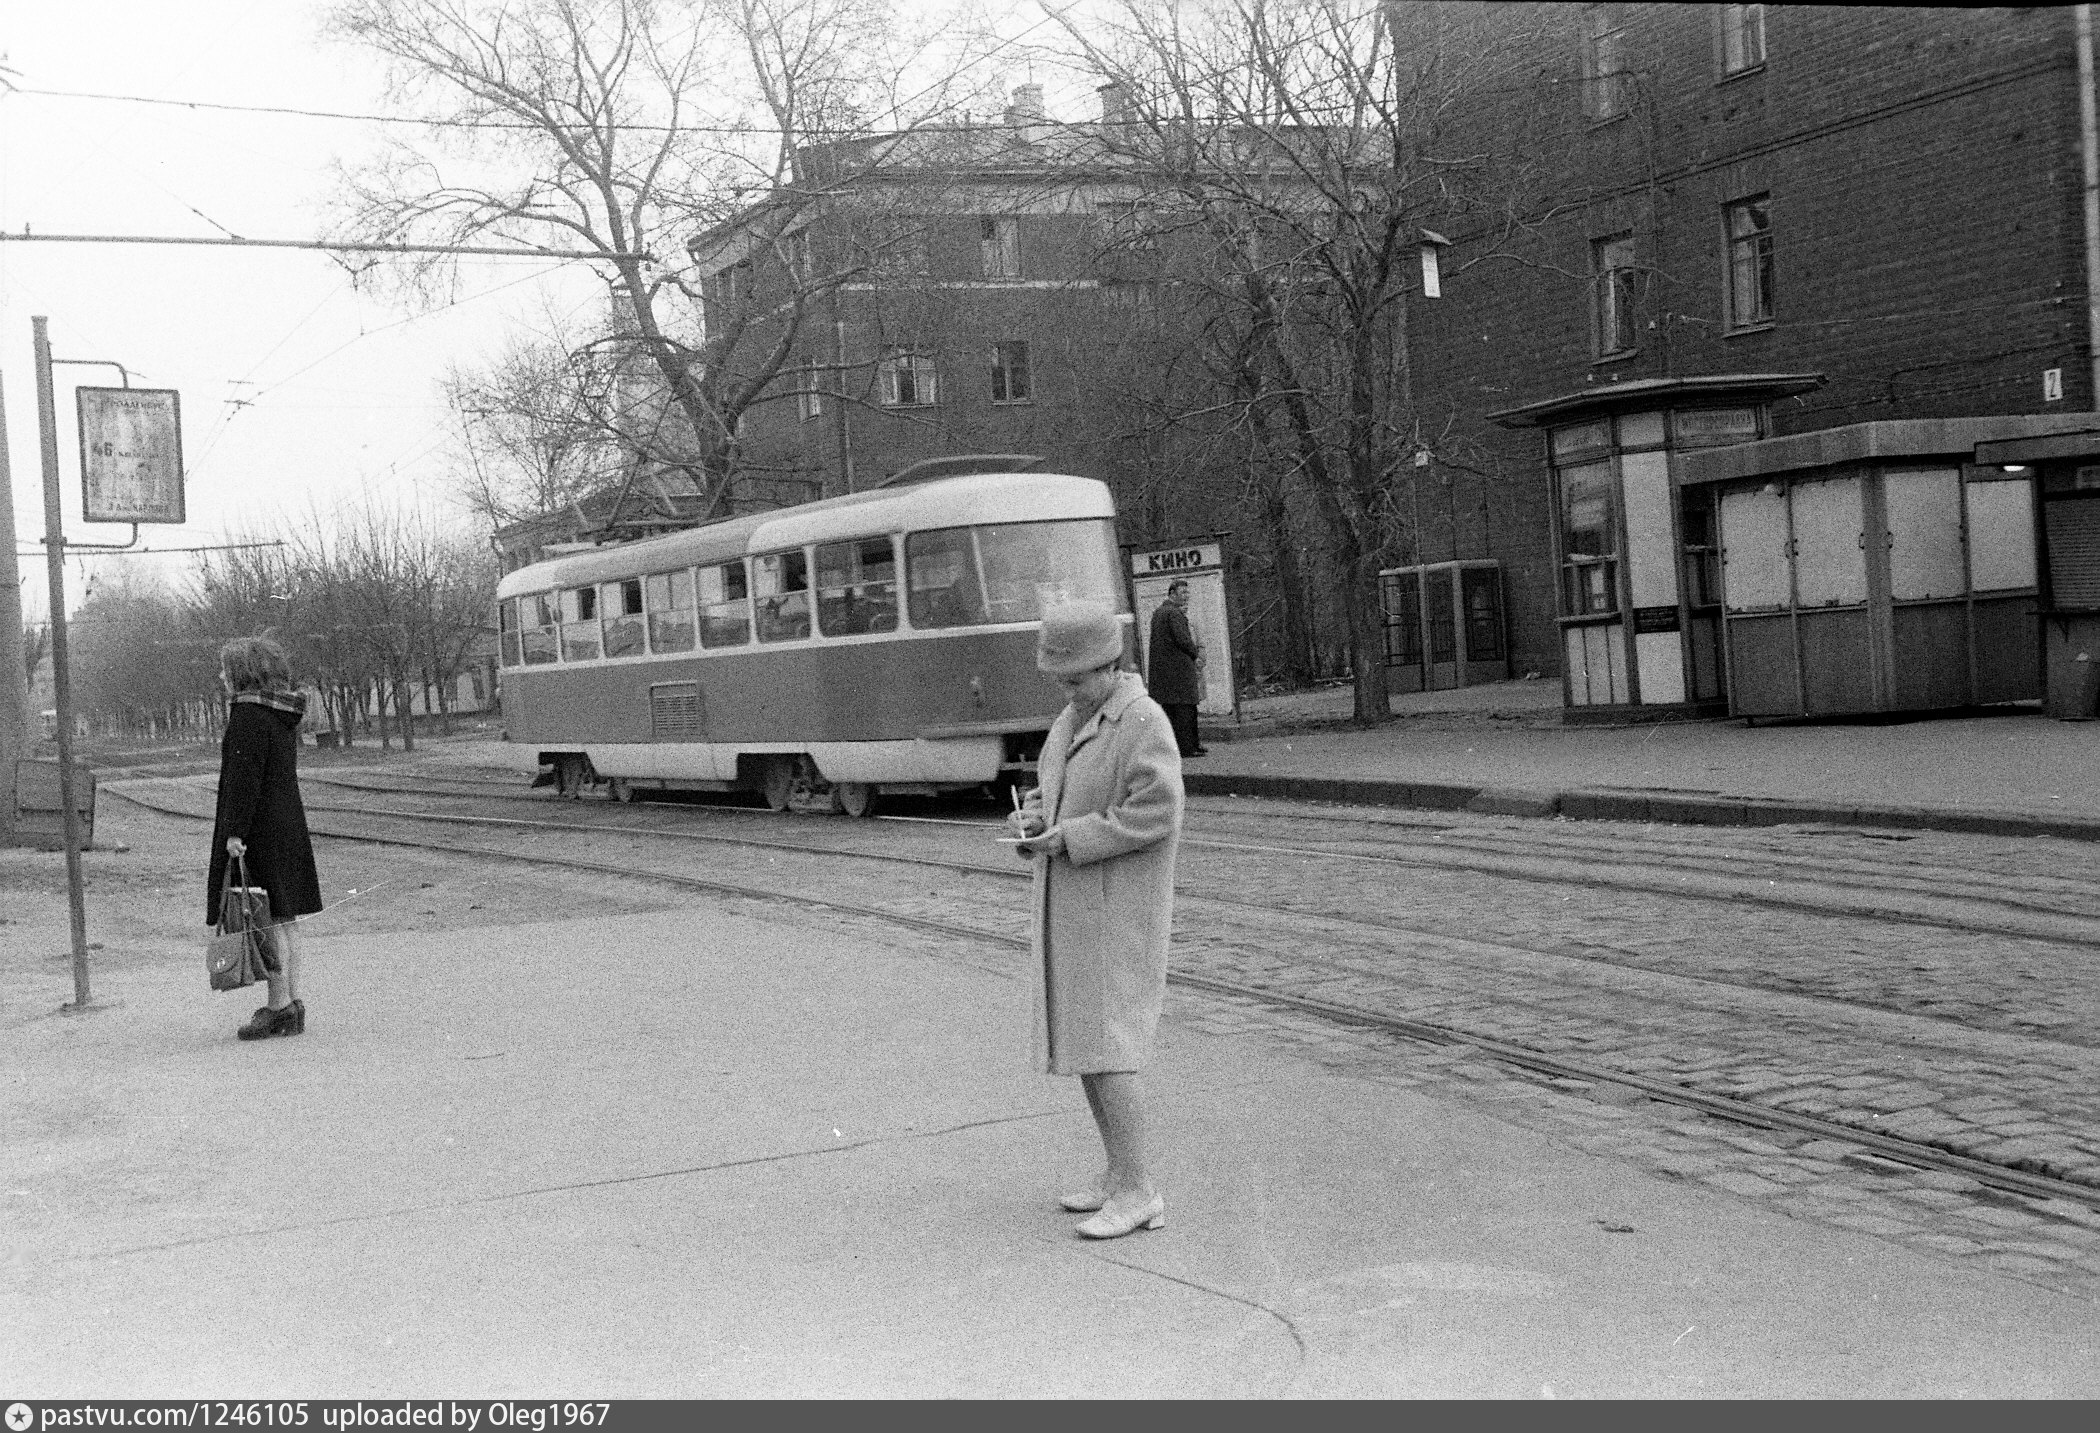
x=1299 y=157
x=620 y=129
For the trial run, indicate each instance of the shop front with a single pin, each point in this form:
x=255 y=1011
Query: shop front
x=1877 y=566
x=1638 y=557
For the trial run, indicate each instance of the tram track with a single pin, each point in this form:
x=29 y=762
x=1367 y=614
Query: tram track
x=1554 y=1064
x=1947 y=900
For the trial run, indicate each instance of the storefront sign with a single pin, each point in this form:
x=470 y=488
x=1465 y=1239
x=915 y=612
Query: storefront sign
x=1654 y=619
x=130 y=454
x=1192 y=558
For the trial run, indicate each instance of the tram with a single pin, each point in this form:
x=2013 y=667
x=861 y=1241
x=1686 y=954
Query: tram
x=824 y=654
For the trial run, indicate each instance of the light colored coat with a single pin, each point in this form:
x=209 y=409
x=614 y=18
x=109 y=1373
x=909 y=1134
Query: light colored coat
x=1104 y=908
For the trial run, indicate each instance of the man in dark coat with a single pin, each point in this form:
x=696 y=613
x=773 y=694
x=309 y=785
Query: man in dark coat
x=1173 y=657
x=261 y=818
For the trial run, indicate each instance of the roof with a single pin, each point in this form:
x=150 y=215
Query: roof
x=1659 y=392
x=1897 y=438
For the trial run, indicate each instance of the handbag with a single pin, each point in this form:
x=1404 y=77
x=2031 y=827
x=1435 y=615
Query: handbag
x=241 y=952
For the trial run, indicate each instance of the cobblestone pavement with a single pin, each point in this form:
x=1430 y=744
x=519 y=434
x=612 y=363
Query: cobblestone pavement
x=1798 y=1010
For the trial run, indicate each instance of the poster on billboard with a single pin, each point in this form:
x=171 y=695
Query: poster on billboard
x=130 y=454
x=1202 y=563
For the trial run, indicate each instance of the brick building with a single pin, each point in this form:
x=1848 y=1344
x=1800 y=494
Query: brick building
x=1747 y=223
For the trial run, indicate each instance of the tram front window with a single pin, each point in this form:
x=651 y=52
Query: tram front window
x=541 y=634
x=966 y=577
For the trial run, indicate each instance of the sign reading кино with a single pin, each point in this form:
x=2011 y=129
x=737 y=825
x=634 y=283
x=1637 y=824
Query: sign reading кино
x=130 y=454
x=1191 y=558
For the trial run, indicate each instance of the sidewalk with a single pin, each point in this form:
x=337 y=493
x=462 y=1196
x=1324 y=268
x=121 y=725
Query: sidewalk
x=1501 y=748
x=762 y=1155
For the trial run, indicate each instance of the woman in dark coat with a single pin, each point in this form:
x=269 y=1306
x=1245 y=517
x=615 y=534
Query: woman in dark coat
x=1103 y=828
x=261 y=817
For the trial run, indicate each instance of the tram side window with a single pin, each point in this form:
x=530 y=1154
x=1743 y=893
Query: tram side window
x=541 y=632
x=579 y=624
x=782 y=583
x=621 y=602
x=507 y=622
x=857 y=587
x=941 y=583
x=725 y=605
x=668 y=598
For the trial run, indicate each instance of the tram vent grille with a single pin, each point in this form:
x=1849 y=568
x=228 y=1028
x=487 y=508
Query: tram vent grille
x=675 y=712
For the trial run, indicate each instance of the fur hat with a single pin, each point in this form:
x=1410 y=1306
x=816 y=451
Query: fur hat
x=1077 y=637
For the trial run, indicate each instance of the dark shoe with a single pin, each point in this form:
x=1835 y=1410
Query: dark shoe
x=267 y=1022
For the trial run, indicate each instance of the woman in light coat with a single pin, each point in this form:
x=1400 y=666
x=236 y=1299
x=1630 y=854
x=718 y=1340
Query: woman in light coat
x=1103 y=829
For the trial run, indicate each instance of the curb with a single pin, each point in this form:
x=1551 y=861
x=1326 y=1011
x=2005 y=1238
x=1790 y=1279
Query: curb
x=1608 y=804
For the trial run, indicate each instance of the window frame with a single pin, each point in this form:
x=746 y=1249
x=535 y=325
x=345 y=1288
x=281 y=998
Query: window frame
x=1750 y=252
x=705 y=608
x=999 y=246
x=794 y=562
x=1735 y=28
x=1605 y=91
x=809 y=398
x=925 y=377
x=1004 y=371
x=1612 y=297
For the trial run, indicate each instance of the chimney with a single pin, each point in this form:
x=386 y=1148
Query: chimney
x=1115 y=101
x=1026 y=112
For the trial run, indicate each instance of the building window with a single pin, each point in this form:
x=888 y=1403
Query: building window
x=999 y=243
x=1605 y=80
x=1611 y=278
x=1742 y=39
x=908 y=380
x=1128 y=224
x=1750 y=262
x=1010 y=383
x=809 y=398
x=727 y=288
x=796 y=250
x=894 y=247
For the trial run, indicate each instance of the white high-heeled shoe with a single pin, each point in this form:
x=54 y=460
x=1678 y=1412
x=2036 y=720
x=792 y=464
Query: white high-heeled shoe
x=1152 y=1214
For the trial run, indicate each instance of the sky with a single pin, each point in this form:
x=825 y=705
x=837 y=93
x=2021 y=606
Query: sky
x=299 y=386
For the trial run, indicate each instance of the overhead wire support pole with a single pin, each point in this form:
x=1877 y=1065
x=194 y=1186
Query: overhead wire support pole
x=55 y=565
x=346 y=246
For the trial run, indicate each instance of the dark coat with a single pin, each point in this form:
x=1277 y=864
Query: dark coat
x=1170 y=659
x=1103 y=909
x=259 y=802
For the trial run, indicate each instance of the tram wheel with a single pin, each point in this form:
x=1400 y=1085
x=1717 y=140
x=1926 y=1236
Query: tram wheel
x=780 y=783
x=569 y=777
x=853 y=798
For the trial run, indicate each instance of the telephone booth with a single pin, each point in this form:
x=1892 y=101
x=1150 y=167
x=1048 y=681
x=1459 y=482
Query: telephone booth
x=1444 y=625
x=1637 y=558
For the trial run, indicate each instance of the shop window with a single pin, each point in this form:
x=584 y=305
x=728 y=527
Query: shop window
x=1589 y=543
x=1749 y=224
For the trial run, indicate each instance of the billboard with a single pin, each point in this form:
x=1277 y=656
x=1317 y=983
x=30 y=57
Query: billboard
x=130 y=454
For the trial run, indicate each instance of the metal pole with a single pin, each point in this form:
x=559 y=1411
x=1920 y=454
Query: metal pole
x=14 y=681
x=2089 y=156
x=61 y=676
